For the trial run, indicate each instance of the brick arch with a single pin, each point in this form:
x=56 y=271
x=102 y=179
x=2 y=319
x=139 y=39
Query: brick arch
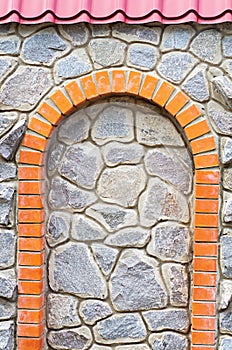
x=53 y=109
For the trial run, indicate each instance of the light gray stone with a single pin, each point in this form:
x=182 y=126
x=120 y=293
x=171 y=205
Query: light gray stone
x=7 y=65
x=62 y=311
x=207 y=46
x=170 y=241
x=73 y=270
x=225 y=296
x=24 y=88
x=75 y=128
x=94 y=310
x=81 y=164
x=226 y=253
x=100 y=347
x=7 y=335
x=227 y=210
x=26 y=30
x=7 y=28
x=226 y=322
x=223 y=86
x=84 y=229
x=168 y=341
x=100 y=30
x=122 y=185
x=116 y=153
x=70 y=339
x=11 y=141
x=226 y=150
x=196 y=85
x=185 y=156
x=133 y=347
x=78 y=34
x=7 y=248
x=167 y=319
x=64 y=195
x=227 y=178
x=177 y=282
x=120 y=328
x=222 y=118
x=58 y=227
x=153 y=129
x=43 y=47
x=129 y=237
x=54 y=157
x=143 y=56
x=162 y=202
x=112 y=217
x=227 y=66
x=107 y=52
x=175 y=66
x=8 y=171
x=9 y=45
x=137 y=33
x=114 y=123
x=105 y=257
x=7 y=309
x=136 y=283
x=6 y=203
x=7 y=120
x=226 y=46
x=225 y=343
x=7 y=283
x=176 y=37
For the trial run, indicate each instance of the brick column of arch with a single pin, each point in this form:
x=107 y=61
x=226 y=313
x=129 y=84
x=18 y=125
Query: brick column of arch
x=53 y=109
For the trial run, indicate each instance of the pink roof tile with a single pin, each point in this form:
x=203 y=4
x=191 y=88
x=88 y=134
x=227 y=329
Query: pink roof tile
x=106 y=11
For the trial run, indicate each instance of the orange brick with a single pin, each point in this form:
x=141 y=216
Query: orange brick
x=118 y=81
x=206 y=161
x=204 y=293
x=30 y=330
x=31 y=273
x=49 y=113
x=34 y=142
x=89 y=87
x=30 y=173
x=207 y=177
x=188 y=115
x=207 y=191
x=203 y=309
x=205 y=249
x=31 y=215
x=30 y=316
x=103 y=82
x=30 y=230
x=204 y=279
x=205 y=264
x=199 y=347
x=31 y=287
x=30 y=343
x=75 y=93
x=134 y=82
x=203 y=145
x=148 y=87
x=206 y=220
x=62 y=102
x=30 y=187
x=27 y=201
x=31 y=244
x=39 y=126
x=197 y=129
x=205 y=234
x=30 y=259
x=31 y=157
x=163 y=93
x=203 y=338
x=206 y=205
x=178 y=101
x=204 y=323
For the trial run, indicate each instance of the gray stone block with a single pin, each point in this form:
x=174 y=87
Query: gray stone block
x=7 y=248
x=225 y=294
x=9 y=45
x=58 y=228
x=6 y=203
x=207 y=46
x=7 y=120
x=94 y=310
x=222 y=118
x=78 y=34
x=8 y=171
x=227 y=46
x=116 y=153
x=7 y=283
x=7 y=335
x=176 y=37
x=142 y=56
x=137 y=33
x=84 y=229
x=75 y=128
x=196 y=85
x=55 y=154
x=7 y=65
x=168 y=341
x=70 y=339
x=225 y=343
x=226 y=253
x=136 y=237
x=223 y=85
x=105 y=257
x=167 y=319
x=7 y=309
x=226 y=322
x=227 y=177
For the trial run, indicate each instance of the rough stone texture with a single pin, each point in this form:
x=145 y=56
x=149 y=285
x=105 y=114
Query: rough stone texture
x=177 y=281
x=161 y=163
x=64 y=195
x=196 y=85
x=120 y=328
x=221 y=117
x=227 y=178
x=94 y=310
x=175 y=66
x=26 y=30
x=107 y=52
x=142 y=56
x=226 y=150
x=7 y=65
x=9 y=45
x=185 y=156
x=176 y=37
x=223 y=85
x=24 y=88
x=7 y=284
x=75 y=271
x=112 y=217
x=8 y=171
x=75 y=128
x=78 y=34
x=136 y=283
x=168 y=341
x=7 y=309
x=122 y=185
x=7 y=335
x=7 y=120
x=100 y=30
x=129 y=237
x=54 y=157
x=116 y=153
x=227 y=210
x=161 y=202
x=82 y=164
x=153 y=129
x=105 y=257
x=137 y=33
x=226 y=322
x=84 y=229
x=7 y=28
x=207 y=46
x=113 y=124
x=226 y=253
x=226 y=46
x=62 y=311
x=58 y=228
x=225 y=295
x=225 y=343
x=43 y=47
x=6 y=203
x=7 y=248
x=168 y=319
x=70 y=339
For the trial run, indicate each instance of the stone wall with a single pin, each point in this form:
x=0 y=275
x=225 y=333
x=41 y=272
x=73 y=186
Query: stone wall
x=35 y=59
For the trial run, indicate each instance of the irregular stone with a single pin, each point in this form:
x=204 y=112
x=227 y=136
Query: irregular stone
x=227 y=210
x=11 y=141
x=107 y=52
x=7 y=28
x=207 y=46
x=226 y=150
x=122 y=185
x=54 y=157
x=7 y=248
x=222 y=119
x=225 y=294
x=8 y=171
x=105 y=257
x=7 y=309
x=176 y=37
x=136 y=283
x=64 y=195
x=185 y=157
x=7 y=335
x=9 y=45
x=26 y=30
x=24 y=88
x=84 y=229
x=7 y=283
x=168 y=319
x=78 y=34
x=196 y=85
x=100 y=30
x=70 y=339
x=227 y=66
x=7 y=65
x=153 y=129
x=223 y=85
x=73 y=65
x=175 y=66
x=226 y=322
x=177 y=281
x=6 y=203
x=73 y=270
x=160 y=162
x=170 y=241
x=58 y=227
x=129 y=237
x=143 y=56
x=227 y=178
x=120 y=328
x=75 y=128
x=226 y=46
x=134 y=347
x=7 y=120
x=94 y=310
x=112 y=217
x=168 y=341
x=225 y=343
x=226 y=253
x=113 y=124
x=62 y=311
x=82 y=164
x=116 y=153
x=162 y=202
x=100 y=347
x=43 y=47
x=136 y=33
